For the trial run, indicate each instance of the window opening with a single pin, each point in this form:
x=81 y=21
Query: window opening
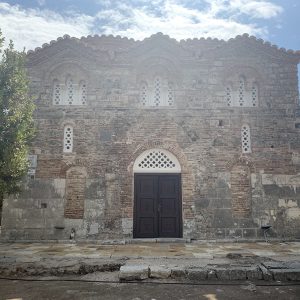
x=157 y=91
x=254 y=95
x=246 y=141
x=57 y=93
x=70 y=91
x=68 y=139
x=83 y=93
x=143 y=93
x=241 y=91
x=170 y=94
x=228 y=96
x=157 y=160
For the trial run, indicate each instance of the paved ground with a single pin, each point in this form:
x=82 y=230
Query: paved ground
x=204 y=250
x=139 y=261
x=89 y=291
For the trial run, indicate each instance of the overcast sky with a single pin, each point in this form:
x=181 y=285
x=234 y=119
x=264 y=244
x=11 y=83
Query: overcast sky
x=30 y=23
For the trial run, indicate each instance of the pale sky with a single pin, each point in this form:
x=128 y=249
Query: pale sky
x=30 y=23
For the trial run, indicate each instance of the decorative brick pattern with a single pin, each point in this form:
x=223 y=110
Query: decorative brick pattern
x=241 y=191
x=75 y=189
x=198 y=119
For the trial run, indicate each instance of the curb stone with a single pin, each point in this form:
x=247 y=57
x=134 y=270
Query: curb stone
x=159 y=272
x=133 y=272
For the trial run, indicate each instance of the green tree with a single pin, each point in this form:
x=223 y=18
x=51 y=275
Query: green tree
x=16 y=119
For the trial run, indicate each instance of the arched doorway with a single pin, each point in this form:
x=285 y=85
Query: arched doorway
x=157 y=195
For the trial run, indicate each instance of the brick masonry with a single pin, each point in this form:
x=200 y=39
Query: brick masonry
x=225 y=193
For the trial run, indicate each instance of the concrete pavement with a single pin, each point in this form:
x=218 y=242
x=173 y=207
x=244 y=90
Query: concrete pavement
x=142 y=260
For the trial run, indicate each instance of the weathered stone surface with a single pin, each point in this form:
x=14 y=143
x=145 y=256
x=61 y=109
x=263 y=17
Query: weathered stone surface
x=254 y=273
x=178 y=272
x=197 y=274
x=161 y=272
x=286 y=274
x=104 y=88
x=133 y=272
x=266 y=274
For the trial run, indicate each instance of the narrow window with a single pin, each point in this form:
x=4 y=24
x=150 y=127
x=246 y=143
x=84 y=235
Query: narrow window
x=70 y=91
x=246 y=139
x=68 y=139
x=56 y=92
x=143 y=93
x=241 y=91
x=82 y=93
x=170 y=94
x=157 y=91
x=254 y=95
x=228 y=96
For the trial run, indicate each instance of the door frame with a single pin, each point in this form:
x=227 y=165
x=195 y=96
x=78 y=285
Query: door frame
x=179 y=200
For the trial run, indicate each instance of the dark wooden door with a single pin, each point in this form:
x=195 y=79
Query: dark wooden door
x=157 y=206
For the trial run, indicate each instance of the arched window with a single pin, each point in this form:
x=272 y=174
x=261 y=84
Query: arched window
x=68 y=139
x=241 y=94
x=143 y=93
x=170 y=94
x=156 y=161
x=246 y=139
x=70 y=91
x=254 y=94
x=157 y=91
x=82 y=93
x=228 y=96
x=56 y=92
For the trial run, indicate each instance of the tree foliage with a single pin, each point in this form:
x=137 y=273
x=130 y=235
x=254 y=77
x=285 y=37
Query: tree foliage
x=16 y=119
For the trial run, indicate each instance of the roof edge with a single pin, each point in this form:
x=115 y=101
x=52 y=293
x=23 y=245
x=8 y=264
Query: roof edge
x=244 y=36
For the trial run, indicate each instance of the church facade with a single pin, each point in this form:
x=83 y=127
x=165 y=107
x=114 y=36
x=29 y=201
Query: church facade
x=197 y=139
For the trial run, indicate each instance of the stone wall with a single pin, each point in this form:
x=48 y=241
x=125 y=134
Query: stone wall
x=225 y=193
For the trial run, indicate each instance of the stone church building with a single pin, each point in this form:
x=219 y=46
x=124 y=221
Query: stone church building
x=197 y=139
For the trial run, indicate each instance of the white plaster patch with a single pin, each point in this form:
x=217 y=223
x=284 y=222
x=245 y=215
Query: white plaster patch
x=293 y=213
x=253 y=180
x=59 y=185
x=94 y=228
x=267 y=179
x=281 y=180
x=127 y=226
x=293 y=180
x=287 y=203
x=296 y=158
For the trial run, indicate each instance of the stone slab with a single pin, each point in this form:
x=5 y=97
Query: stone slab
x=198 y=274
x=133 y=272
x=286 y=274
x=160 y=272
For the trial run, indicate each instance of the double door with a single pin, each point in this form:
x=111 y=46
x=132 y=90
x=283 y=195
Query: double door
x=157 y=206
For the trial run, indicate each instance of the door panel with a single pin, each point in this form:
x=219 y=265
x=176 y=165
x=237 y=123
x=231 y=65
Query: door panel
x=145 y=211
x=157 y=207
x=169 y=206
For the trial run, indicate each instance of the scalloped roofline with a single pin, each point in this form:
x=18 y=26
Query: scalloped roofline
x=84 y=39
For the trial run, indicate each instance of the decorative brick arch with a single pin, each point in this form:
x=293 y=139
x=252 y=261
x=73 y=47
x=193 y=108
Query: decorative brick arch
x=156 y=160
x=171 y=147
x=187 y=179
x=72 y=163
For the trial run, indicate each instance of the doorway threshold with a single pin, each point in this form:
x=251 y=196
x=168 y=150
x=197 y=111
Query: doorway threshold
x=157 y=240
